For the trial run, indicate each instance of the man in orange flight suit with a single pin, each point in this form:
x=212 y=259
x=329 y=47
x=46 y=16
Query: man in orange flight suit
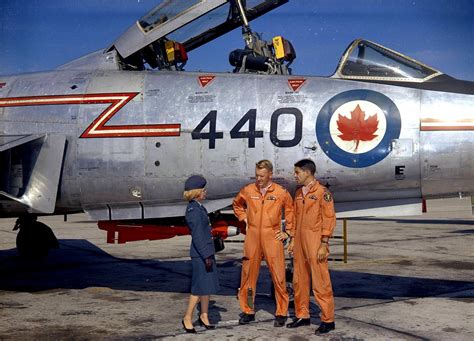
x=260 y=205
x=315 y=220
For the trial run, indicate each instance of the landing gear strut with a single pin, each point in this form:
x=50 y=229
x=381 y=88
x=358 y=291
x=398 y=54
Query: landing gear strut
x=34 y=238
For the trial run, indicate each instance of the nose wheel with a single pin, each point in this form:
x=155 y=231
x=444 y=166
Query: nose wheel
x=34 y=239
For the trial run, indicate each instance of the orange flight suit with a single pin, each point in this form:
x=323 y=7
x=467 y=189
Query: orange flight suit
x=263 y=214
x=314 y=217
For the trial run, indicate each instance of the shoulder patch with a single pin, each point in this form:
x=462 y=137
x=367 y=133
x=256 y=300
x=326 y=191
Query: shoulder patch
x=327 y=196
x=190 y=209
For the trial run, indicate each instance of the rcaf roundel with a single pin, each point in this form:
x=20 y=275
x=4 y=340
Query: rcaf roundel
x=355 y=128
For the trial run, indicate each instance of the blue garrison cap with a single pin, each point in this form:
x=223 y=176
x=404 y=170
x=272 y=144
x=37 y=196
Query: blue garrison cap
x=194 y=182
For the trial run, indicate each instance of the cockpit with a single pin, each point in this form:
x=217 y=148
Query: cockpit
x=163 y=37
x=365 y=60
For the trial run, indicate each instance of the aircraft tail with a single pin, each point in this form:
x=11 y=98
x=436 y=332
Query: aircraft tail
x=30 y=168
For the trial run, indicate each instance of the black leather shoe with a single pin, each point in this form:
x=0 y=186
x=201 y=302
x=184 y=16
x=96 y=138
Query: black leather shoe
x=298 y=323
x=325 y=327
x=207 y=326
x=247 y=318
x=279 y=321
x=192 y=330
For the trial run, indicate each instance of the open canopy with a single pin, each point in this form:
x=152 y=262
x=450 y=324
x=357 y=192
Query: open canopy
x=189 y=22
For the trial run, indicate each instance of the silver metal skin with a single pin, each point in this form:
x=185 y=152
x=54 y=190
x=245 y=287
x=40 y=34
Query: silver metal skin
x=447 y=157
x=119 y=144
x=119 y=178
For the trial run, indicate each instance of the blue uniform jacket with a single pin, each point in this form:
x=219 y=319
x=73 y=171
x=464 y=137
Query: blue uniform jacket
x=198 y=222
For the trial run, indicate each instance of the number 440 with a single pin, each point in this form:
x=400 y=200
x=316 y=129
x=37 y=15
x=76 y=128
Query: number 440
x=251 y=134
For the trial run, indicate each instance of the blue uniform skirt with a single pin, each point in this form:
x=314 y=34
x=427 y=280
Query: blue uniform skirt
x=203 y=282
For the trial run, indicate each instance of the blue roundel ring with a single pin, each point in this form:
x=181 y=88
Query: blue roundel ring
x=371 y=157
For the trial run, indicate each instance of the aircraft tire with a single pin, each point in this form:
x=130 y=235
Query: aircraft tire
x=35 y=241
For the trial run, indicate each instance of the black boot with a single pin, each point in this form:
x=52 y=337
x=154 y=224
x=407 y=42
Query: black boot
x=325 y=327
x=298 y=323
x=279 y=321
x=247 y=318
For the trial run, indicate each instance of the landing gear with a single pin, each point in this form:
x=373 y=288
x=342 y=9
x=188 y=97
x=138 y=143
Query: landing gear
x=35 y=239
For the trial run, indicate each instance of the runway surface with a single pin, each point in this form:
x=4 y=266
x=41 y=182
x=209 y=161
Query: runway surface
x=408 y=278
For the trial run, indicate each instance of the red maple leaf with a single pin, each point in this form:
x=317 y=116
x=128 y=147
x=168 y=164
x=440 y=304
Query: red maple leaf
x=357 y=128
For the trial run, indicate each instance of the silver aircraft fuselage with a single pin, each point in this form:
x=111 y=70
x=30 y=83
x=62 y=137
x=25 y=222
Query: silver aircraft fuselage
x=132 y=138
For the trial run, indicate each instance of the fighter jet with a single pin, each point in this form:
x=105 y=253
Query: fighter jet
x=116 y=132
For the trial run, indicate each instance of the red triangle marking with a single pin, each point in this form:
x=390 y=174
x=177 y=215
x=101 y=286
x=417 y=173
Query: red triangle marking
x=205 y=80
x=296 y=83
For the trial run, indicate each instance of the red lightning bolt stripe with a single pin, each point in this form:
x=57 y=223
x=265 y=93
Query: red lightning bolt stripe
x=97 y=128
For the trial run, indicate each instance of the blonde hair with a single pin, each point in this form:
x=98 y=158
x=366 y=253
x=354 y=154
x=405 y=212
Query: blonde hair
x=265 y=164
x=192 y=194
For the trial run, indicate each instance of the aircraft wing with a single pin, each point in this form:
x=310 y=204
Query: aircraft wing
x=30 y=166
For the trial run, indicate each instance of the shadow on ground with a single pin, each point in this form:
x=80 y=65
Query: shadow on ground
x=79 y=264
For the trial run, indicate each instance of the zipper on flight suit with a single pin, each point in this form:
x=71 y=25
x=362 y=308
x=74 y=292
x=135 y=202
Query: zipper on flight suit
x=261 y=216
x=301 y=219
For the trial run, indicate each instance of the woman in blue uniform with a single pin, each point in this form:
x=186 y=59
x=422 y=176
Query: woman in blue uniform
x=204 y=279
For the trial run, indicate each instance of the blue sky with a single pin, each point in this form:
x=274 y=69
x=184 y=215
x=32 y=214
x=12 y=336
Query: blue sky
x=37 y=35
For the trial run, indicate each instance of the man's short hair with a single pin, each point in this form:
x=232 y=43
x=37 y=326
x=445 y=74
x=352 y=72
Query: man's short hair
x=306 y=165
x=264 y=164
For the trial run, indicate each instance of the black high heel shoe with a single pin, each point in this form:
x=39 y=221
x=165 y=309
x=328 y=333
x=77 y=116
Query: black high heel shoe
x=192 y=330
x=207 y=326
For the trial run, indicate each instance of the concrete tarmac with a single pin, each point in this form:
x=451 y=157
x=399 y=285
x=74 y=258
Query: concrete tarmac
x=409 y=278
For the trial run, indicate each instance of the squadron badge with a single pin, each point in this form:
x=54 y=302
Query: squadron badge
x=327 y=196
